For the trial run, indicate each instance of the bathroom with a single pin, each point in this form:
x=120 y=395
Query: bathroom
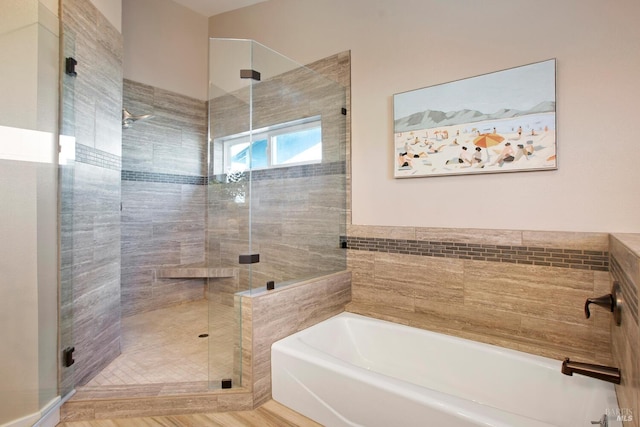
x=392 y=49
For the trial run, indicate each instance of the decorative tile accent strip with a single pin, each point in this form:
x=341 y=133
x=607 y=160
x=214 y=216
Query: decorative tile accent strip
x=163 y=177
x=95 y=157
x=548 y=257
x=629 y=289
x=299 y=171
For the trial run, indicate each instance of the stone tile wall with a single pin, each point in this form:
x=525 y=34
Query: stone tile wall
x=163 y=197
x=338 y=68
x=295 y=214
x=269 y=316
x=493 y=286
x=625 y=268
x=90 y=209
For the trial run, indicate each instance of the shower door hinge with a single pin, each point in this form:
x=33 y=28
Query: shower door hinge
x=70 y=66
x=249 y=259
x=67 y=356
x=250 y=74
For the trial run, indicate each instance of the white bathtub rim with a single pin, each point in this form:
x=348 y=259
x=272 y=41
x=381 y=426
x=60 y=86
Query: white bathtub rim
x=464 y=408
x=541 y=361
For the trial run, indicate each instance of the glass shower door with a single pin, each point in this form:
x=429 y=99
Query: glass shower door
x=229 y=246
x=277 y=183
x=298 y=197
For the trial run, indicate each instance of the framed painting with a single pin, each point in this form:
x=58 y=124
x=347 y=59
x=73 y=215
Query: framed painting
x=503 y=121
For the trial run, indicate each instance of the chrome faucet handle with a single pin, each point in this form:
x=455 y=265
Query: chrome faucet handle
x=605 y=301
x=604 y=421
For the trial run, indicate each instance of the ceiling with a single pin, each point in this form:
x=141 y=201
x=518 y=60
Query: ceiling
x=214 y=7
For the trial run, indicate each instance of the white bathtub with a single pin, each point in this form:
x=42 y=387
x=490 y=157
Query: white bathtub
x=352 y=370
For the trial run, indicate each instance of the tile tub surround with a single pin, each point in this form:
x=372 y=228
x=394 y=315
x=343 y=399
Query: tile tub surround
x=91 y=104
x=625 y=268
x=509 y=302
x=163 y=198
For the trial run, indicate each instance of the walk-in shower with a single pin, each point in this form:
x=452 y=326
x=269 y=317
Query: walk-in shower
x=216 y=198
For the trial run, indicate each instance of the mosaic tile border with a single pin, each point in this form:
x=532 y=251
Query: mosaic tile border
x=299 y=171
x=93 y=156
x=529 y=255
x=166 y=178
x=628 y=287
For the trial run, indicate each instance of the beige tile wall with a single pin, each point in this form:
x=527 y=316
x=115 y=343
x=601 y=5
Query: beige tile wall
x=272 y=315
x=533 y=308
x=625 y=255
x=296 y=214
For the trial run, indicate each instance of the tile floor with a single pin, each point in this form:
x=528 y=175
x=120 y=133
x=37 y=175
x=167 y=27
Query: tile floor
x=164 y=347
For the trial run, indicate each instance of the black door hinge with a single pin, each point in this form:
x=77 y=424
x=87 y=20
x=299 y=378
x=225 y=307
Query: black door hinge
x=67 y=356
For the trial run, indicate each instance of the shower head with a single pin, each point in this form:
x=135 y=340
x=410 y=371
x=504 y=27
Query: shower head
x=128 y=118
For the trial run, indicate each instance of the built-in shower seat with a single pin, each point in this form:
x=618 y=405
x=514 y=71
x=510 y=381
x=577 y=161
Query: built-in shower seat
x=194 y=271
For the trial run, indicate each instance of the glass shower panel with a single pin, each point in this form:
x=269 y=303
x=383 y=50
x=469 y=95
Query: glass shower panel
x=229 y=208
x=299 y=201
x=277 y=190
x=66 y=179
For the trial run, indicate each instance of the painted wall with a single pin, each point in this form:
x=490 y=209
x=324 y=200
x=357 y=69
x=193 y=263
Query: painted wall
x=112 y=10
x=165 y=46
x=408 y=44
x=28 y=212
x=28 y=41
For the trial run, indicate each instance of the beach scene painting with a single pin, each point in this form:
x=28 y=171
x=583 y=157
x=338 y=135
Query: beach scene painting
x=503 y=121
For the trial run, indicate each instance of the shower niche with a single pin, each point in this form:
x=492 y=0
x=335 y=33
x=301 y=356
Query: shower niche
x=276 y=177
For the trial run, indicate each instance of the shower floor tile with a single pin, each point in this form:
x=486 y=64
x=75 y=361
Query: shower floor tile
x=163 y=347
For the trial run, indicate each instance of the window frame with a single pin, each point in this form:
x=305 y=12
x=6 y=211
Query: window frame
x=269 y=133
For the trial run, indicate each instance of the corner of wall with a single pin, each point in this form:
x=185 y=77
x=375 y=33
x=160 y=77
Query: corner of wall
x=625 y=269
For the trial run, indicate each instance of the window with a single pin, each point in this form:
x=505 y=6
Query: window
x=291 y=143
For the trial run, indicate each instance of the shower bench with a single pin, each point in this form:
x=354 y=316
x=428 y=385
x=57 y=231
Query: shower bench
x=194 y=272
